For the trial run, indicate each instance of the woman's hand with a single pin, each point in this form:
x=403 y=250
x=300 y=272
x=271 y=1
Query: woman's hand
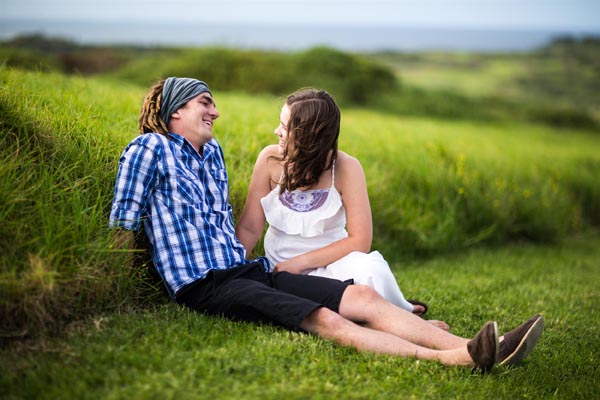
x=289 y=266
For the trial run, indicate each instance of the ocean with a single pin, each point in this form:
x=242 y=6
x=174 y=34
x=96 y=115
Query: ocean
x=286 y=37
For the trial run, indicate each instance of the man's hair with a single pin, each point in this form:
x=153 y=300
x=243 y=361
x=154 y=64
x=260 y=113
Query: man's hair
x=149 y=119
x=313 y=130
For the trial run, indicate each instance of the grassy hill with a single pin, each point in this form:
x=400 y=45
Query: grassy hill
x=435 y=185
x=481 y=215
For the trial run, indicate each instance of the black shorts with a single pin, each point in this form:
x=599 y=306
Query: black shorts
x=248 y=293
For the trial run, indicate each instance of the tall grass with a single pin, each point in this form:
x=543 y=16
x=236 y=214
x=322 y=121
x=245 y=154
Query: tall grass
x=434 y=185
x=60 y=144
x=442 y=185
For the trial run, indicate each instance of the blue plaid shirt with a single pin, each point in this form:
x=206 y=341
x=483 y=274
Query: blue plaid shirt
x=182 y=198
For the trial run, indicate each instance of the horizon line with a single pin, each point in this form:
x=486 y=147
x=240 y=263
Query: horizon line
x=272 y=24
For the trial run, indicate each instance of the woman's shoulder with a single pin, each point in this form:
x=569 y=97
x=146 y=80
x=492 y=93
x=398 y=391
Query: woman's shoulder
x=346 y=161
x=271 y=151
x=348 y=170
x=269 y=155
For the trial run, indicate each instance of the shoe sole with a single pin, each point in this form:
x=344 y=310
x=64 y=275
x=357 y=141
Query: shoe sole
x=527 y=343
x=495 y=336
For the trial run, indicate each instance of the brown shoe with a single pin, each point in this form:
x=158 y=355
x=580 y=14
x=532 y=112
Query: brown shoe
x=519 y=343
x=483 y=348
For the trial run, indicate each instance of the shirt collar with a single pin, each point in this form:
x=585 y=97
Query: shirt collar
x=207 y=149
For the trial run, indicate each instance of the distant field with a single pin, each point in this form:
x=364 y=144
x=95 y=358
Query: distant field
x=471 y=74
x=565 y=73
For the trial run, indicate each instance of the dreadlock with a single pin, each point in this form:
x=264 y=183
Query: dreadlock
x=150 y=120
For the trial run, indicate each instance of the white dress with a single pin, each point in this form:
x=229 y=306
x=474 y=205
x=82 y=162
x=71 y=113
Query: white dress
x=306 y=220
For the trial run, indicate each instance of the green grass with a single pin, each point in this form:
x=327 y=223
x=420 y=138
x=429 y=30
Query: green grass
x=74 y=322
x=435 y=186
x=458 y=183
x=170 y=352
x=60 y=146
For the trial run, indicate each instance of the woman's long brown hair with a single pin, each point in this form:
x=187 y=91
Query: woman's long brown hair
x=149 y=119
x=312 y=142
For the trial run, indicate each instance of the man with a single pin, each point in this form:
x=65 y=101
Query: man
x=172 y=178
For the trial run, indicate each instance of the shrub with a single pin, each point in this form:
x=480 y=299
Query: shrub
x=27 y=59
x=354 y=80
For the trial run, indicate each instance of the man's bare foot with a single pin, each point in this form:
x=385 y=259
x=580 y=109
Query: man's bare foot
x=439 y=324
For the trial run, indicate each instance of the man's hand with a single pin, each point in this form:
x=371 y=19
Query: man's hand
x=123 y=240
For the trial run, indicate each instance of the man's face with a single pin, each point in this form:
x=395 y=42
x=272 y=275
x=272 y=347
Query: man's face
x=194 y=121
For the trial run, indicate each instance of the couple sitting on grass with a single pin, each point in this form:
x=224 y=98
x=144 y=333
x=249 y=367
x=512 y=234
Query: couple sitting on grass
x=318 y=275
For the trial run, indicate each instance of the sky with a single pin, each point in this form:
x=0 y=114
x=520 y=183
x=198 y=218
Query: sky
x=570 y=15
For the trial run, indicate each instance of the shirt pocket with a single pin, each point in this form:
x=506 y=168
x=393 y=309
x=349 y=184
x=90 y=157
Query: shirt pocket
x=221 y=199
x=220 y=175
x=187 y=189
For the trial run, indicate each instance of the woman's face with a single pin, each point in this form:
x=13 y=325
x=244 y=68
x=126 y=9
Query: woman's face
x=281 y=131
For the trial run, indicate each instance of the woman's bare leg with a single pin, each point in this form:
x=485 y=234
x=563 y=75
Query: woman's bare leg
x=363 y=305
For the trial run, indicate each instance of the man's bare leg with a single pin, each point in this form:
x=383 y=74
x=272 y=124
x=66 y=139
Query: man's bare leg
x=332 y=326
x=364 y=305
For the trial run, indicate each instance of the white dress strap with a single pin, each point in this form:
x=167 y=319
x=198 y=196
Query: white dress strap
x=333 y=173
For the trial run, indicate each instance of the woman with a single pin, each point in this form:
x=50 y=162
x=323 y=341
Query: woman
x=315 y=199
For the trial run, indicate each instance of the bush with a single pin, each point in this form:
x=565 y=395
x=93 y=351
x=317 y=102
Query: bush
x=352 y=79
x=28 y=59
x=38 y=52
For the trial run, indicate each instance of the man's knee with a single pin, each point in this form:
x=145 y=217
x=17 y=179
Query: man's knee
x=361 y=294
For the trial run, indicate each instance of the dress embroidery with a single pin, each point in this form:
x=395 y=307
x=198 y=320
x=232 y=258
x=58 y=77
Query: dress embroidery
x=304 y=200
